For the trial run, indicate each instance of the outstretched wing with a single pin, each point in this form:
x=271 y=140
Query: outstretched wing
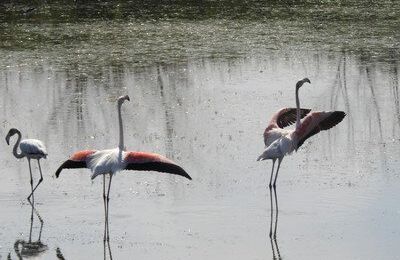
x=316 y=122
x=143 y=161
x=77 y=160
x=287 y=116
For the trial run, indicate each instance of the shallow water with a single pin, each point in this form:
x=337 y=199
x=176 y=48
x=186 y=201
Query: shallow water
x=202 y=89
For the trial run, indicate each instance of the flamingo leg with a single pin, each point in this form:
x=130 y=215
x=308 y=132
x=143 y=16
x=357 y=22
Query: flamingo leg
x=272 y=173
x=105 y=210
x=276 y=198
x=109 y=249
x=40 y=219
x=30 y=230
x=273 y=249
x=41 y=223
x=276 y=215
x=277 y=171
x=108 y=207
x=31 y=195
x=41 y=177
x=277 y=249
x=270 y=195
x=104 y=246
x=272 y=211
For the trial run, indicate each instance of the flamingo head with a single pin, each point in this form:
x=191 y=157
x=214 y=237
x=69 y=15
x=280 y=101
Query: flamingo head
x=12 y=132
x=121 y=99
x=301 y=82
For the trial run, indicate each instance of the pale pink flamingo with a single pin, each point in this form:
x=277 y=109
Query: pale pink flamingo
x=283 y=118
x=281 y=142
x=102 y=162
x=31 y=149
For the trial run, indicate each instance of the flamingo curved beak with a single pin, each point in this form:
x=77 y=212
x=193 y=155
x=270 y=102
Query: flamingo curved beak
x=8 y=139
x=127 y=98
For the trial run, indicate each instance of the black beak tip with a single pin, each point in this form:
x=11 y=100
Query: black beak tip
x=127 y=98
x=187 y=176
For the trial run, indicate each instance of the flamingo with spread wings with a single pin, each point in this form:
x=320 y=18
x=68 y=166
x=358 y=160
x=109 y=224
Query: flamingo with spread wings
x=281 y=142
x=103 y=162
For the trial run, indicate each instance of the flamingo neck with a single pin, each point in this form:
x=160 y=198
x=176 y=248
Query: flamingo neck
x=121 y=129
x=16 y=145
x=297 y=109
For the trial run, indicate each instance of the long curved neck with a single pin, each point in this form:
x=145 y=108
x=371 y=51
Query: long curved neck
x=121 y=128
x=298 y=109
x=16 y=145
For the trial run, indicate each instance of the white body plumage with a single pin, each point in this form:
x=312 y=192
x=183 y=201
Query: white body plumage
x=33 y=148
x=274 y=135
x=278 y=148
x=106 y=161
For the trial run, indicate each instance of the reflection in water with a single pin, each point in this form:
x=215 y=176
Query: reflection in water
x=107 y=247
x=106 y=241
x=59 y=255
x=340 y=89
x=214 y=99
x=169 y=120
x=33 y=249
x=106 y=199
x=393 y=74
x=27 y=249
x=272 y=234
x=371 y=85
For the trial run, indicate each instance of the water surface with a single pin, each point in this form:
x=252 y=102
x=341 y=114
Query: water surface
x=204 y=79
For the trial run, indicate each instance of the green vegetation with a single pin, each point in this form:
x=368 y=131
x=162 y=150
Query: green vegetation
x=92 y=34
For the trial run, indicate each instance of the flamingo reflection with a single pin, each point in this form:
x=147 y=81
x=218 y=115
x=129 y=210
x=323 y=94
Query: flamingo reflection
x=276 y=255
x=106 y=242
x=59 y=255
x=30 y=249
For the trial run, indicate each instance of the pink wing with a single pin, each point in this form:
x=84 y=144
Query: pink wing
x=283 y=118
x=315 y=122
x=77 y=160
x=142 y=161
x=286 y=116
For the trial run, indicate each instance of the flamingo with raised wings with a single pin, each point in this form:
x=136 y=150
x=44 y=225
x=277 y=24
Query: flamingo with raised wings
x=281 y=142
x=283 y=118
x=103 y=162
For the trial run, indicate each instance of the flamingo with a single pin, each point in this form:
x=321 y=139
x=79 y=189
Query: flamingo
x=283 y=118
x=281 y=142
x=31 y=149
x=103 y=162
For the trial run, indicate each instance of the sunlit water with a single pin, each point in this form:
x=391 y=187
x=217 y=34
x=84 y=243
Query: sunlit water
x=202 y=90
